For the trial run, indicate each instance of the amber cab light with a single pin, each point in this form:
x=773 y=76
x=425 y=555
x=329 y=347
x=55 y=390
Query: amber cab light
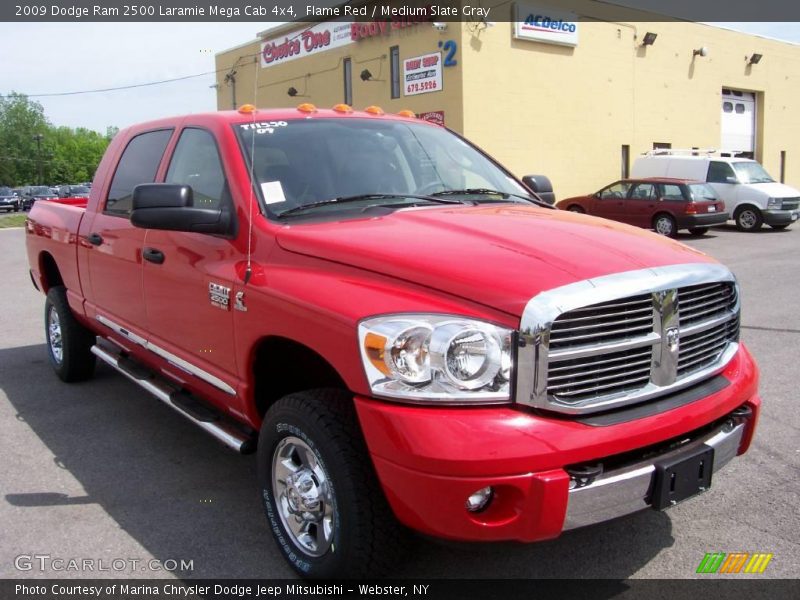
x=374 y=110
x=306 y=107
x=247 y=109
x=407 y=113
x=343 y=108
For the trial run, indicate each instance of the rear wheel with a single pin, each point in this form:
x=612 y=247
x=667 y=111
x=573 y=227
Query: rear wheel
x=698 y=230
x=320 y=492
x=748 y=218
x=68 y=342
x=664 y=224
x=577 y=209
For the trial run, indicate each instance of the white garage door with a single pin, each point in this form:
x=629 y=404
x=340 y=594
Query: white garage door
x=738 y=121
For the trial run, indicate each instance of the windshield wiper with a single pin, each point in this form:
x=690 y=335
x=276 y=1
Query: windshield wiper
x=359 y=197
x=488 y=192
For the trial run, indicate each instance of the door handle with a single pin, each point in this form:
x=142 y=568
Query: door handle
x=95 y=239
x=152 y=255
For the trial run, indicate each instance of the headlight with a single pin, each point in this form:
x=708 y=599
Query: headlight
x=774 y=202
x=437 y=359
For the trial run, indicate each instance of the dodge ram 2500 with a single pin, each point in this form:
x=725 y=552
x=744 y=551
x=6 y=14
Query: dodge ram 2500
x=401 y=330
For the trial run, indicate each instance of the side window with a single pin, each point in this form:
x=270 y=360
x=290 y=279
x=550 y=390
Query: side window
x=617 y=190
x=718 y=172
x=672 y=192
x=644 y=191
x=139 y=164
x=196 y=163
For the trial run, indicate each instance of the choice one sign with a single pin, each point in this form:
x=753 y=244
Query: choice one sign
x=541 y=24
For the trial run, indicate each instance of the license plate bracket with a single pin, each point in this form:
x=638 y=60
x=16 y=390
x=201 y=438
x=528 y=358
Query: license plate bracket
x=682 y=477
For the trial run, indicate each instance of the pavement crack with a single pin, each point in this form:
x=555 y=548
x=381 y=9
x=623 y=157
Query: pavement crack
x=774 y=329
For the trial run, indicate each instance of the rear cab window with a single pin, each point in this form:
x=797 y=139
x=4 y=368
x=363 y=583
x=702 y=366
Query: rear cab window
x=138 y=164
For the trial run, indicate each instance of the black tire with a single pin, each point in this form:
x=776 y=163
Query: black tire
x=748 y=218
x=576 y=209
x=69 y=346
x=365 y=540
x=781 y=226
x=698 y=230
x=664 y=224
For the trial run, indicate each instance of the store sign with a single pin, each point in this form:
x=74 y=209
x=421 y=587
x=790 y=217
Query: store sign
x=314 y=40
x=540 y=24
x=435 y=116
x=422 y=74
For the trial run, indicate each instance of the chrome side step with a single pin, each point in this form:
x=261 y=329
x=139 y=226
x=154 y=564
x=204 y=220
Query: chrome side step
x=176 y=399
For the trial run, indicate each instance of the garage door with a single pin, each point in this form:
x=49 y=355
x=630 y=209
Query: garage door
x=738 y=121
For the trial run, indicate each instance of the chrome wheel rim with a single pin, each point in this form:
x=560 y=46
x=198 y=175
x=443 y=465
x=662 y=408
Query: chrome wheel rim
x=303 y=495
x=664 y=226
x=747 y=219
x=54 y=335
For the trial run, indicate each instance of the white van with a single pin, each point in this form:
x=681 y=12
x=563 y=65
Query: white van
x=751 y=196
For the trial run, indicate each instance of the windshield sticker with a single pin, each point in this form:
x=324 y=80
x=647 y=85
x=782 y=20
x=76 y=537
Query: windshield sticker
x=264 y=126
x=273 y=192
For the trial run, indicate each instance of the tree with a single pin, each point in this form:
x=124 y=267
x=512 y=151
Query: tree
x=20 y=120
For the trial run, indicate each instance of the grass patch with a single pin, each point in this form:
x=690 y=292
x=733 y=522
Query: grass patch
x=13 y=220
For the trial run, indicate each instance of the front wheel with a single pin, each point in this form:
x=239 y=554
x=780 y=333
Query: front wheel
x=748 y=219
x=698 y=230
x=68 y=342
x=665 y=225
x=577 y=209
x=320 y=493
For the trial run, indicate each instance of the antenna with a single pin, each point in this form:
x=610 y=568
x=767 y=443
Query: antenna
x=249 y=270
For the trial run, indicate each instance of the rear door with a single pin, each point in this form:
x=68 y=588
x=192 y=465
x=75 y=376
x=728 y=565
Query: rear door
x=641 y=204
x=115 y=245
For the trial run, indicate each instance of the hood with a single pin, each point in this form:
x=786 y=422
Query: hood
x=499 y=256
x=775 y=190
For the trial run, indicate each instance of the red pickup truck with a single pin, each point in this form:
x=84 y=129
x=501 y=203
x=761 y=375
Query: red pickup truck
x=403 y=332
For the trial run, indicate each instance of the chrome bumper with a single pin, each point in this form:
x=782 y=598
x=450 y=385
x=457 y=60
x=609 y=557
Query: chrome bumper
x=627 y=490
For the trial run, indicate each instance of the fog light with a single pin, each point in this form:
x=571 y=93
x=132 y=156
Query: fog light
x=480 y=499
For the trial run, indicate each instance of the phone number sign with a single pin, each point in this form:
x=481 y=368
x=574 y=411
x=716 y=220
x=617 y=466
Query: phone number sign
x=422 y=74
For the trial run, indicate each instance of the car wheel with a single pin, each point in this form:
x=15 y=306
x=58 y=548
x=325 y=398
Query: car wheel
x=68 y=342
x=665 y=225
x=577 y=209
x=698 y=230
x=781 y=226
x=320 y=493
x=748 y=218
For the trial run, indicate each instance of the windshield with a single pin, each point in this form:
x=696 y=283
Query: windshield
x=751 y=172
x=702 y=191
x=79 y=189
x=6 y=191
x=41 y=191
x=312 y=162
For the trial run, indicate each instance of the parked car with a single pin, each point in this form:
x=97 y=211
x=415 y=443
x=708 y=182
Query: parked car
x=398 y=327
x=659 y=203
x=73 y=191
x=752 y=196
x=9 y=201
x=32 y=193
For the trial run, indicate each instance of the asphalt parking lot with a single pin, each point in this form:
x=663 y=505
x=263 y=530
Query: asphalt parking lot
x=99 y=470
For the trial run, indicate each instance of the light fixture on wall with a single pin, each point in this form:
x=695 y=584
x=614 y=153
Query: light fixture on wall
x=703 y=51
x=292 y=91
x=754 y=59
x=649 y=38
x=366 y=75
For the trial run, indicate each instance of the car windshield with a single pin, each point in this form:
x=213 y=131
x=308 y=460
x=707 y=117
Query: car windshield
x=751 y=172
x=319 y=163
x=41 y=191
x=6 y=191
x=702 y=191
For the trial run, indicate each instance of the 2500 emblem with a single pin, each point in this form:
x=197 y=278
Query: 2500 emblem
x=219 y=295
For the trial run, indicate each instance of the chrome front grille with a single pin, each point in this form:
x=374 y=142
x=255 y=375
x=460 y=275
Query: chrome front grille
x=626 y=338
x=790 y=203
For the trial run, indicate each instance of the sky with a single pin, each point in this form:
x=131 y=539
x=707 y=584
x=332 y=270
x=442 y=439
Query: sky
x=41 y=58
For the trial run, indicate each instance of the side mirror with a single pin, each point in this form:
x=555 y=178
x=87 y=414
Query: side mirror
x=730 y=179
x=541 y=186
x=171 y=207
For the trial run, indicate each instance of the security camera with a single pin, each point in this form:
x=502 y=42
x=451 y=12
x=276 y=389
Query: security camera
x=440 y=26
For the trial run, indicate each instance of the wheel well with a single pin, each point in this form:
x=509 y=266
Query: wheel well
x=282 y=367
x=741 y=207
x=51 y=276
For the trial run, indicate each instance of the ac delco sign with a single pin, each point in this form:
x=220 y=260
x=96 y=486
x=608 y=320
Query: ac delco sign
x=546 y=25
x=321 y=37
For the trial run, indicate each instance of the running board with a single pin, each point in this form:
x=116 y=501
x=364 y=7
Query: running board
x=177 y=399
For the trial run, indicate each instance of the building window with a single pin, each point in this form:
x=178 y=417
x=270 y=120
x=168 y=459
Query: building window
x=783 y=166
x=727 y=107
x=394 y=53
x=626 y=161
x=348 y=82
x=739 y=109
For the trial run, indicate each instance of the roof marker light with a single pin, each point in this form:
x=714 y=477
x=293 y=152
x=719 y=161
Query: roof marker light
x=343 y=108
x=247 y=109
x=307 y=107
x=407 y=113
x=374 y=110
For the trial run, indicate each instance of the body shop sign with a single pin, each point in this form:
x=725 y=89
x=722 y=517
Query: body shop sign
x=422 y=74
x=321 y=37
x=540 y=24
